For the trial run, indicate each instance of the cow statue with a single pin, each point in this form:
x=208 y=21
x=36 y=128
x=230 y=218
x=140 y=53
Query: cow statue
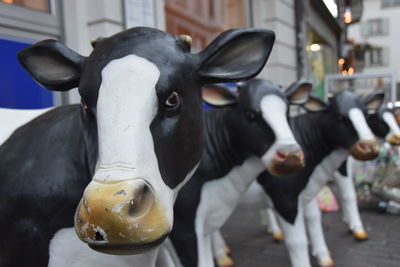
x=241 y=141
x=133 y=142
x=384 y=125
x=326 y=135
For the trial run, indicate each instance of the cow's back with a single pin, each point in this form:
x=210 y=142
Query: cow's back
x=43 y=172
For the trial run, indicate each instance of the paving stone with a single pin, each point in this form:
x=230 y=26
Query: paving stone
x=253 y=247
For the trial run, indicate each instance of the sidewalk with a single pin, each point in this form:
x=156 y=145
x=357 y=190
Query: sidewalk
x=253 y=247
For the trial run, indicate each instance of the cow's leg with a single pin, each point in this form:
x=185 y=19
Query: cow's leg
x=205 y=256
x=221 y=250
x=268 y=218
x=296 y=240
x=219 y=198
x=320 y=250
x=204 y=238
x=348 y=201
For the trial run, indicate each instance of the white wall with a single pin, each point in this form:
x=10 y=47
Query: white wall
x=279 y=16
x=85 y=20
x=373 y=10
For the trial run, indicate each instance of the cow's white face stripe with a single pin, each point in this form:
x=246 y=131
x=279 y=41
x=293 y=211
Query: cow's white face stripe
x=126 y=106
x=274 y=110
x=357 y=118
x=390 y=120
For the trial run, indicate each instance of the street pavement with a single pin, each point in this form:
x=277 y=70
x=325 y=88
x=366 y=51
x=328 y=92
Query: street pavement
x=253 y=247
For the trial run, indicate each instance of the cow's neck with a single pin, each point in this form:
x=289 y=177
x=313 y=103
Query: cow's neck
x=310 y=132
x=220 y=146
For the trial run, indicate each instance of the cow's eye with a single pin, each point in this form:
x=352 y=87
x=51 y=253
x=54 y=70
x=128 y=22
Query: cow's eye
x=172 y=100
x=251 y=115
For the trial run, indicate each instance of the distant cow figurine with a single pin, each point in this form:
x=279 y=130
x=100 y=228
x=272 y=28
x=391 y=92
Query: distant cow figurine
x=383 y=124
x=241 y=141
x=137 y=138
x=325 y=137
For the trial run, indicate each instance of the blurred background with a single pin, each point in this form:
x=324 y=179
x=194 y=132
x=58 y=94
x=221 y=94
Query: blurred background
x=315 y=39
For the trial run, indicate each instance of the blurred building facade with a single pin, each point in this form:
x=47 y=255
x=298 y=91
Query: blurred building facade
x=309 y=33
x=204 y=20
x=74 y=22
x=376 y=38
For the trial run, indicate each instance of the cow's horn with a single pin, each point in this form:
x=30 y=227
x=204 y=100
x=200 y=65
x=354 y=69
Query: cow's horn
x=186 y=39
x=95 y=41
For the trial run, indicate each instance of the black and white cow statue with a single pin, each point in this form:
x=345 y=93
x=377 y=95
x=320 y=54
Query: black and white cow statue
x=326 y=136
x=136 y=139
x=241 y=141
x=383 y=124
x=339 y=129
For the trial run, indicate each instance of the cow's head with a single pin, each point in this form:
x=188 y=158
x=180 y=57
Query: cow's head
x=141 y=102
x=383 y=124
x=263 y=127
x=346 y=124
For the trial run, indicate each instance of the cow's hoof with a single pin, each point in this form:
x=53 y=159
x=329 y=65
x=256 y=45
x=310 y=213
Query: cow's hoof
x=326 y=262
x=227 y=250
x=278 y=237
x=225 y=261
x=360 y=235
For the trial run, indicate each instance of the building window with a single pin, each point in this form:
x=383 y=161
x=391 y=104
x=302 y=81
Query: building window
x=41 y=5
x=374 y=27
x=376 y=56
x=390 y=3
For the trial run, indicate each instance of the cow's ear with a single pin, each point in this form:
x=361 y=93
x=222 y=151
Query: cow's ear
x=314 y=104
x=299 y=92
x=236 y=55
x=374 y=100
x=52 y=65
x=218 y=96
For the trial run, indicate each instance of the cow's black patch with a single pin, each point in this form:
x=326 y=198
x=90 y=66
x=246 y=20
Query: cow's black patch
x=44 y=171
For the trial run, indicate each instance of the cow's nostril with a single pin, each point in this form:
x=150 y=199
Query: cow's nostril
x=287 y=161
x=365 y=150
x=394 y=139
x=281 y=155
x=98 y=236
x=141 y=202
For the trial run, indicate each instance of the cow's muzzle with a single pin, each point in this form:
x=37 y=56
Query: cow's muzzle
x=393 y=139
x=121 y=217
x=365 y=150
x=288 y=160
